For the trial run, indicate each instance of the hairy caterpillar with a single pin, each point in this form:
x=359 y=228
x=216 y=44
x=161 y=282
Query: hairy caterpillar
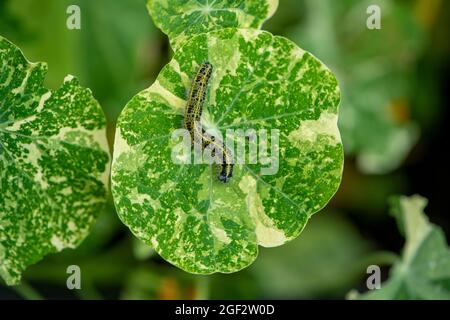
x=192 y=120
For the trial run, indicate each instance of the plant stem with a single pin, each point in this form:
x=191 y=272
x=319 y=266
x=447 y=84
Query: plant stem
x=27 y=292
x=202 y=288
x=382 y=258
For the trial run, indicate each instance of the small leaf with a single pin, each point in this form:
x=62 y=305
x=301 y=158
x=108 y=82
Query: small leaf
x=141 y=251
x=424 y=270
x=260 y=81
x=182 y=19
x=53 y=163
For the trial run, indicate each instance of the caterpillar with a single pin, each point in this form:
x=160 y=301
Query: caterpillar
x=192 y=121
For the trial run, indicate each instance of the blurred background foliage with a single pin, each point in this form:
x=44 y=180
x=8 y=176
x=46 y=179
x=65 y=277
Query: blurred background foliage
x=394 y=83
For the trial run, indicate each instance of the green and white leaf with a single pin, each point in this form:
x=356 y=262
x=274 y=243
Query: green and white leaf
x=423 y=272
x=182 y=19
x=260 y=81
x=54 y=163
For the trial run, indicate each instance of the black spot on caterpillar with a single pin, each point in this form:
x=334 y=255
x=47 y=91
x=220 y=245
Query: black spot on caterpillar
x=192 y=118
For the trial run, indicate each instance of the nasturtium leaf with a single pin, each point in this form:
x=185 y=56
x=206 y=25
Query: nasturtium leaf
x=53 y=163
x=423 y=272
x=182 y=19
x=260 y=81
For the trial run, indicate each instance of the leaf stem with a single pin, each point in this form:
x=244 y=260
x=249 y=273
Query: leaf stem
x=202 y=288
x=27 y=292
x=383 y=258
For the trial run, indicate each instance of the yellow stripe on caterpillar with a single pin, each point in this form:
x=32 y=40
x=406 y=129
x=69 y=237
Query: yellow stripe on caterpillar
x=192 y=118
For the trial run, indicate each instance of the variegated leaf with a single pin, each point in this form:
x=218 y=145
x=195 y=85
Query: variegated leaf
x=54 y=163
x=423 y=270
x=182 y=19
x=260 y=81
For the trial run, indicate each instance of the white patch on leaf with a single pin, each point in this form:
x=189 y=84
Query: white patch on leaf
x=69 y=78
x=266 y=232
x=309 y=130
x=177 y=103
x=42 y=101
x=220 y=234
x=57 y=242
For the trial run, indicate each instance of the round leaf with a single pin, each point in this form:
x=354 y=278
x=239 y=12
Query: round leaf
x=182 y=19
x=53 y=163
x=259 y=81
